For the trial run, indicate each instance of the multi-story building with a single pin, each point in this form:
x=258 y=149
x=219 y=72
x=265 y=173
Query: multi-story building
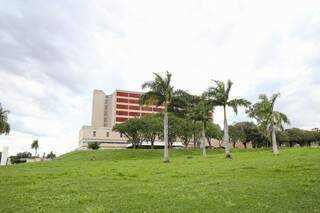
x=108 y=110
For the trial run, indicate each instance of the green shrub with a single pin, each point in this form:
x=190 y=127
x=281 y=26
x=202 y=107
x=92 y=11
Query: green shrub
x=94 y=145
x=51 y=155
x=20 y=157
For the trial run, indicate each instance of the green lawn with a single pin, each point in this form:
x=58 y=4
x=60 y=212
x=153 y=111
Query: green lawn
x=138 y=181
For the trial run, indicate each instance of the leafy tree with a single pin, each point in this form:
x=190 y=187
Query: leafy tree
x=302 y=137
x=160 y=93
x=50 y=155
x=269 y=119
x=20 y=157
x=308 y=137
x=246 y=128
x=151 y=128
x=184 y=130
x=213 y=131
x=131 y=128
x=282 y=137
x=24 y=155
x=295 y=136
x=182 y=104
x=236 y=134
x=252 y=134
x=35 y=146
x=220 y=96
x=94 y=145
x=4 y=125
x=317 y=136
x=257 y=138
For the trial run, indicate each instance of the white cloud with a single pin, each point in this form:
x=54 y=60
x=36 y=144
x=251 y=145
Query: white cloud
x=55 y=54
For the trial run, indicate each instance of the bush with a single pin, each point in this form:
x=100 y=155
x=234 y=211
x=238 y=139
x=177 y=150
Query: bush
x=94 y=145
x=50 y=155
x=20 y=157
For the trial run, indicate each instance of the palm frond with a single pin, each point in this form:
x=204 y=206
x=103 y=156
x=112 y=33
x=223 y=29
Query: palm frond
x=273 y=99
x=7 y=129
x=229 y=85
x=148 y=84
x=238 y=102
x=263 y=97
x=151 y=98
x=217 y=93
x=280 y=118
x=160 y=90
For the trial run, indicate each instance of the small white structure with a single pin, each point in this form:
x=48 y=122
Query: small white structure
x=4 y=156
x=30 y=160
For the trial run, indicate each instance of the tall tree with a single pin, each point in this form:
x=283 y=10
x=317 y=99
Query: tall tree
x=220 y=96
x=269 y=119
x=201 y=112
x=35 y=146
x=4 y=125
x=160 y=93
x=182 y=105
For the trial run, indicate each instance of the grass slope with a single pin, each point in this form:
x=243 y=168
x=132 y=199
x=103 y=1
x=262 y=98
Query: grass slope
x=138 y=181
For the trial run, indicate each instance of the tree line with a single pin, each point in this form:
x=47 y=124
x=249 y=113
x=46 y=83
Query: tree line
x=149 y=128
x=189 y=117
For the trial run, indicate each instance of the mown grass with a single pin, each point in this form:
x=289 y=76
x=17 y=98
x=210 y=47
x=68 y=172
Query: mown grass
x=138 y=181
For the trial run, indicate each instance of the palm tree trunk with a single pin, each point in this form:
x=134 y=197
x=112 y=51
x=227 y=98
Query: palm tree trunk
x=209 y=142
x=194 y=135
x=274 y=142
x=226 y=134
x=204 y=154
x=165 y=134
x=153 y=138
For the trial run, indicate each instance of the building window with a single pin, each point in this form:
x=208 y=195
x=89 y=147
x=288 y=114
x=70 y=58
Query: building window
x=94 y=133
x=107 y=134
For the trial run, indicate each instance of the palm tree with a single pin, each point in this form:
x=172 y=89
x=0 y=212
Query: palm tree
x=4 y=125
x=160 y=93
x=220 y=96
x=35 y=146
x=201 y=112
x=269 y=119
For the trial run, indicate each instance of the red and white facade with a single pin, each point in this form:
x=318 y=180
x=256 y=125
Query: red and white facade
x=128 y=106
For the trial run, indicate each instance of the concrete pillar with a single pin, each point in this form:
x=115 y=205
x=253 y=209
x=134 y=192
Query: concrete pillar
x=4 y=156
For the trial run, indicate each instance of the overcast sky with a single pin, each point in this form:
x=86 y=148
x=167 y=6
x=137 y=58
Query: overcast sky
x=54 y=53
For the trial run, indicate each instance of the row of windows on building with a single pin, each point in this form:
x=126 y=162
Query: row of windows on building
x=94 y=133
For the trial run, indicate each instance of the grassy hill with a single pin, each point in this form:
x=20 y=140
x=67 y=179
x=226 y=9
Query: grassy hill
x=138 y=181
